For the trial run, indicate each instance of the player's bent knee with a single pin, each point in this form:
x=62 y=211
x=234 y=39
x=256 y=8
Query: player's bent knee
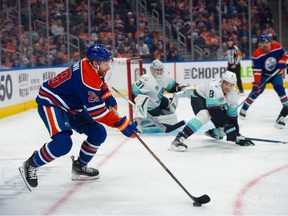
x=203 y=116
x=63 y=143
x=97 y=134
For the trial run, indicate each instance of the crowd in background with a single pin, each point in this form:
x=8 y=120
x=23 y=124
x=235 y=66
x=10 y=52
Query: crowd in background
x=21 y=47
x=205 y=25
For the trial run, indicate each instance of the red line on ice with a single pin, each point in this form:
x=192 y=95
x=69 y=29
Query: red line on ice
x=74 y=189
x=249 y=185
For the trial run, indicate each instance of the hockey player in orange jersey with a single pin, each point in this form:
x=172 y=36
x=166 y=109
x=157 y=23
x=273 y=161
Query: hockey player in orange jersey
x=76 y=99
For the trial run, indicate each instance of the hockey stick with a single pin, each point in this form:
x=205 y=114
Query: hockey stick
x=265 y=140
x=162 y=127
x=264 y=83
x=198 y=201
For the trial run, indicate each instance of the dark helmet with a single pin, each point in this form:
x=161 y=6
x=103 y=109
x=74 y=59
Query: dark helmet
x=99 y=53
x=264 y=37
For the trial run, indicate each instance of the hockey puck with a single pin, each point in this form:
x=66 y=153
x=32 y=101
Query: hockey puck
x=196 y=204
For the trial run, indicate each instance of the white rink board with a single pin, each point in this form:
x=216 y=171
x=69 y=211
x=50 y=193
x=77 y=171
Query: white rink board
x=22 y=85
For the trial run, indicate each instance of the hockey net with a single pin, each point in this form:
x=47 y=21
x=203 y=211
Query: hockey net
x=123 y=73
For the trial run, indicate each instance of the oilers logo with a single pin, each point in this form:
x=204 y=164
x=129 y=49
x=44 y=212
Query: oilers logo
x=270 y=63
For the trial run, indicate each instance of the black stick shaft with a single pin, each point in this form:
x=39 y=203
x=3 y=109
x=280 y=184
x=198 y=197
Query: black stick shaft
x=266 y=140
x=195 y=199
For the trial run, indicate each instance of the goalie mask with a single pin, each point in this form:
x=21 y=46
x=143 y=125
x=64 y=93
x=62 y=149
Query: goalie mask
x=229 y=77
x=157 y=69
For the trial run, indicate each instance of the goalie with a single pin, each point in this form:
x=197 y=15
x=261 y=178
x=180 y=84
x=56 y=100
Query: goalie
x=148 y=95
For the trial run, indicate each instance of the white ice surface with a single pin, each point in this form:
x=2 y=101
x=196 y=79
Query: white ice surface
x=239 y=180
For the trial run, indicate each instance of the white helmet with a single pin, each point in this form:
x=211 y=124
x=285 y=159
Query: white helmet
x=230 y=77
x=157 y=69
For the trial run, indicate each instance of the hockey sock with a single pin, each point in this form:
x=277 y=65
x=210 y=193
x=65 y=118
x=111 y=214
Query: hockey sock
x=87 y=152
x=192 y=126
x=60 y=145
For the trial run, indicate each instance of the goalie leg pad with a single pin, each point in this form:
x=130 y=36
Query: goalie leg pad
x=147 y=126
x=173 y=103
x=140 y=108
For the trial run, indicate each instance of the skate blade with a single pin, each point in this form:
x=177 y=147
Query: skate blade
x=279 y=126
x=177 y=148
x=21 y=170
x=84 y=178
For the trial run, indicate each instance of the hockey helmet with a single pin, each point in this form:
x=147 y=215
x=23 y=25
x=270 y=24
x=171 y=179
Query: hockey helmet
x=156 y=69
x=264 y=38
x=230 y=77
x=99 y=53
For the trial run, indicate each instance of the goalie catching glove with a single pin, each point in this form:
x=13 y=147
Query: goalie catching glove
x=126 y=127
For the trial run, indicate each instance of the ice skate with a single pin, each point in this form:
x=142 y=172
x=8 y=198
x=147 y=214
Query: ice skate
x=178 y=143
x=28 y=172
x=211 y=133
x=82 y=173
x=280 y=122
x=242 y=114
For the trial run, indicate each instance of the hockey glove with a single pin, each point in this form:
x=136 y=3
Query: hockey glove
x=111 y=102
x=231 y=132
x=242 y=141
x=180 y=88
x=281 y=64
x=126 y=127
x=255 y=88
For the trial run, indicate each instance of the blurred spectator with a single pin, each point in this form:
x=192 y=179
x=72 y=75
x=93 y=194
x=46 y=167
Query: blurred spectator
x=147 y=38
x=182 y=7
x=177 y=24
x=82 y=7
x=143 y=19
x=15 y=60
x=158 y=53
x=222 y=52
x=173 y=55
x=201 y=21
x=268 y=29
x=119 y=23
x=231 y=8
x=75 y=58
x=122 y=51
x=244 y=47
x=59 y=59
x=42 y=61
x=132 y=51
x=57 y=28
x=131 y=26
x=140 y=31
x=144 y=51
x=213 y=43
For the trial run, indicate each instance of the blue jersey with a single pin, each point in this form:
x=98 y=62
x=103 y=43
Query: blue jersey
x=266 y=63
x=78 y=87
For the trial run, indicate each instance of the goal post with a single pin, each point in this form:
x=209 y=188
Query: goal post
x=123 y=73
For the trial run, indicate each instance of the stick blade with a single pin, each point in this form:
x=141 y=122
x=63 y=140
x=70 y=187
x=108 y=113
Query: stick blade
x=175 y=126
x=202 y=199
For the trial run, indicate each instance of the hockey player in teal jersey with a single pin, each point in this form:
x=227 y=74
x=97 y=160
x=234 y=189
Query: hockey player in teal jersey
x=216 y=100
